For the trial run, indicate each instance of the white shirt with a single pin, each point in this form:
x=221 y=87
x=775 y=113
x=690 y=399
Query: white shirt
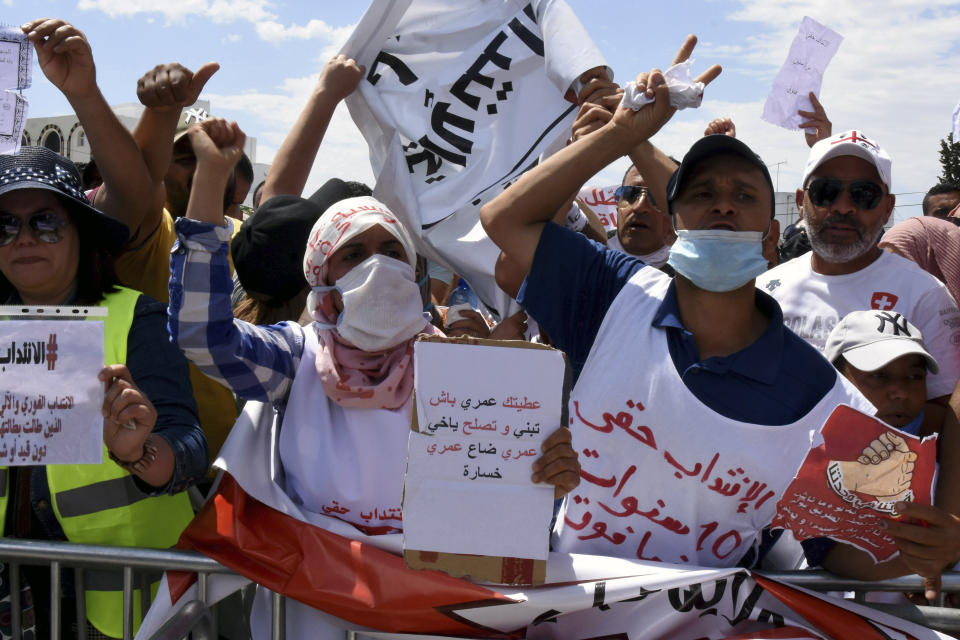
x=813 y=303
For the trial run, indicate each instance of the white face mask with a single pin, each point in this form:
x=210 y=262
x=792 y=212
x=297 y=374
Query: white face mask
x=381 y=304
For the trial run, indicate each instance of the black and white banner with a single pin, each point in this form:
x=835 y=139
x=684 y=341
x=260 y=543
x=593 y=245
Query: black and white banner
x=460 y=98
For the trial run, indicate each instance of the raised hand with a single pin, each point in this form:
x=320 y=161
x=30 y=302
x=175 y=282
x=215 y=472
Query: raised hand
x=217 y=144
x=172 y=85
x=642 y=124
x=340 y=77
x=816 y=119
x=723 y=126
x=64 y=56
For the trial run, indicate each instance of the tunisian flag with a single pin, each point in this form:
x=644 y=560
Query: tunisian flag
x=338 y=578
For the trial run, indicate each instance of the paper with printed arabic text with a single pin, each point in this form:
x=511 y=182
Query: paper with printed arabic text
x=483 y=412
x=802 y=73
x=841 y=493
x=16 y=74
x=51 y=397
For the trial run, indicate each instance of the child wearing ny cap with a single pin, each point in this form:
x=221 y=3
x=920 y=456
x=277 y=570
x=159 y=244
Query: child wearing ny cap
x=883 y=355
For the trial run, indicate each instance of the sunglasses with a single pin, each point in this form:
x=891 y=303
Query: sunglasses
x=45 y=226
x=631 y=194
x=863 y=193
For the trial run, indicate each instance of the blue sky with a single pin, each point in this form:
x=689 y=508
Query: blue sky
x=894 y=76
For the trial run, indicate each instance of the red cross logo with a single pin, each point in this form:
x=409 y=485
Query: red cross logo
x=855 y=137
x=883 y=301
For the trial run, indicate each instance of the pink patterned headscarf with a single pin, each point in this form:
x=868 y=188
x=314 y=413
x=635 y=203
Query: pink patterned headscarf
x=933 y=244
x=350 y=376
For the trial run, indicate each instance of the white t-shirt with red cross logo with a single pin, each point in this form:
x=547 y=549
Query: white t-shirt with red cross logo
x=813 y=303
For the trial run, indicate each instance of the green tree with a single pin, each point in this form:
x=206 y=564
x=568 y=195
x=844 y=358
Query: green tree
x=950 y=159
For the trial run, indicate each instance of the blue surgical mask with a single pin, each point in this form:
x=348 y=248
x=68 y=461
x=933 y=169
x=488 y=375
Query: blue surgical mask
x=718 y=259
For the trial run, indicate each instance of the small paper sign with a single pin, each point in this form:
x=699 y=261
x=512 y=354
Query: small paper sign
x=845 y=486
x=482 y=413
x=50 y=406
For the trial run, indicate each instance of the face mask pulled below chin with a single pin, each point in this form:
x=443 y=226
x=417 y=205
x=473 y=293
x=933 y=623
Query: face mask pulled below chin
x=718 y=260
x=381 y=304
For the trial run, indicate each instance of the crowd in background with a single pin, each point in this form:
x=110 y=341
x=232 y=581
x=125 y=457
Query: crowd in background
x=311 y=304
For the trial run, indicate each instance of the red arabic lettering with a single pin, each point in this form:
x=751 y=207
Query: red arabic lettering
x=600 y=531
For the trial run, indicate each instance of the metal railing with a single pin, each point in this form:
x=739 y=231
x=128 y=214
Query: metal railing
x=197 y=616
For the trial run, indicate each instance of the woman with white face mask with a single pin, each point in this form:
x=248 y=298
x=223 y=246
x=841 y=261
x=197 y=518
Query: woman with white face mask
x=344 y=382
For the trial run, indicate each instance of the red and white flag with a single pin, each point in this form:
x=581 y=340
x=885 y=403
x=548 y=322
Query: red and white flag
x=347 y=580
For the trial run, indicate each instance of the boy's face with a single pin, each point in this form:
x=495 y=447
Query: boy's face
x=898 y=390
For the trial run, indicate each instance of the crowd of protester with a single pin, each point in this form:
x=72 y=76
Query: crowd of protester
x=695 y=293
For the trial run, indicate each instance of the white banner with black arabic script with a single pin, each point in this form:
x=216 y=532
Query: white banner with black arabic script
x=460 y=98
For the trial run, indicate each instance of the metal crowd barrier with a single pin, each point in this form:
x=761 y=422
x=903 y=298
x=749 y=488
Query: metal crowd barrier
x=197 y=617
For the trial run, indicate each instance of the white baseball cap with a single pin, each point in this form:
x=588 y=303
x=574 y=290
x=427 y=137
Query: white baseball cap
x=869 y=340
x=849 y=143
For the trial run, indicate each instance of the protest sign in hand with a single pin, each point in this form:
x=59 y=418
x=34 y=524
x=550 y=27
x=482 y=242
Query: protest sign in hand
x=16 y=63
x=802 y=73
x=851 y=482
x=482 y=413
x=51 y=400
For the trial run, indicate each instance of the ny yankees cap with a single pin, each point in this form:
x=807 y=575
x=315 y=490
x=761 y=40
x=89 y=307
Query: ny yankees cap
x=717 y=144
x=869 y=340
x=849 y=143
x=190 y=116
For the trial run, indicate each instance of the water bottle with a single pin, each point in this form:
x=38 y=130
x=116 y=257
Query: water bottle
x=463 y=295
x=461 y=299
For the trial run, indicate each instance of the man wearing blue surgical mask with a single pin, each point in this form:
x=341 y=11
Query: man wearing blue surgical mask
x=668 y=368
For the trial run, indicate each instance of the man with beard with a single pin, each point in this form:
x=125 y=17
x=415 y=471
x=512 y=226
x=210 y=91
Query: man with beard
x=846 y=200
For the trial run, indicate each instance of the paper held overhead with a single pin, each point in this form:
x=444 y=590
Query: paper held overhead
x=802 y=73
x=16 y=62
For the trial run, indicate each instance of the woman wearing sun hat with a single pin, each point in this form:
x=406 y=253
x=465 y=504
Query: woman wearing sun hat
x=56 y=249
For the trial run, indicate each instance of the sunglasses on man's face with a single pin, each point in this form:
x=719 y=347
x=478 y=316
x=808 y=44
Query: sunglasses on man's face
x=630 y=194
x=45 y=226
x=863 y=193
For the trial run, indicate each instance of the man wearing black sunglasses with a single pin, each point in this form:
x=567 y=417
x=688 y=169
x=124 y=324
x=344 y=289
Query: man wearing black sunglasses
x=643 y=228
x=846 y=200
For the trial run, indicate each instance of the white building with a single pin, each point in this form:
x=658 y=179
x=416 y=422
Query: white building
x=64 y=135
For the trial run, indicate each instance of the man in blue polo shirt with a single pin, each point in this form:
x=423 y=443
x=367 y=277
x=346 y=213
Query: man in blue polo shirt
x=694 y=405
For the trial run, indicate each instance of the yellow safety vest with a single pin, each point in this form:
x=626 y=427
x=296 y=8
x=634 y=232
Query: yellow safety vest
x=101 y=503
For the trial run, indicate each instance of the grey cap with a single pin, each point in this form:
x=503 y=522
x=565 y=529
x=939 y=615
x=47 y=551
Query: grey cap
x=869 y=340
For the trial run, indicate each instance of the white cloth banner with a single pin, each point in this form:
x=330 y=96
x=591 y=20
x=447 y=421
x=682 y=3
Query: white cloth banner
x=584 y=596
x=460 y=99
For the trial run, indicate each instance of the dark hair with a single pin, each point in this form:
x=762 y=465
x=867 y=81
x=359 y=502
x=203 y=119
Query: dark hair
x=96 y=275
x=245 y=168
x=357 y=189
x=840 y=364
x=260 y=312
x=257 y=193
x=936 y=190
x=90 y=174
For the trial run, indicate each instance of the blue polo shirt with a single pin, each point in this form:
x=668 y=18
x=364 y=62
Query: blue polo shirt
x=774 y=381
